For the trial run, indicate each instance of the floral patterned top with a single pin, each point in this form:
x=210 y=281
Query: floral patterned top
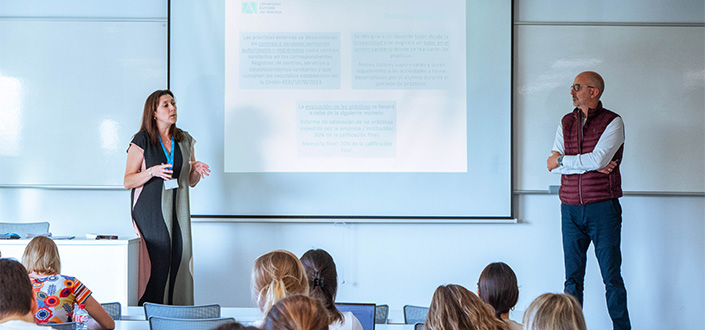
x=56 y=296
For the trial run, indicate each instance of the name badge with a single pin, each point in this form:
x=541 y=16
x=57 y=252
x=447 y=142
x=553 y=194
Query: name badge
x=171 y=184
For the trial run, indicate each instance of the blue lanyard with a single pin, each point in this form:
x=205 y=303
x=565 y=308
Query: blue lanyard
x=169 y=156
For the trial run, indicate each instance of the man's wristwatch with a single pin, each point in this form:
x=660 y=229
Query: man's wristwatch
x=560 y=161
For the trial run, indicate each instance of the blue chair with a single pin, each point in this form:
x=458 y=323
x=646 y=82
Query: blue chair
x=61 y=326
x=182 y=312
x=381 y=314
x=24 y=229
x=365 y=313
x=415 y=314
x=114 y=309
x=418 y=326
x=168 y=323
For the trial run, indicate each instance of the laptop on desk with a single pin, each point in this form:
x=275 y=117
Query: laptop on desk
x=365 y=313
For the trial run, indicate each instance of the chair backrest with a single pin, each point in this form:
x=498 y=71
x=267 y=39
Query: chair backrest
x=23 y=229
x=168 y=323
x=182 y=312
x=418 y=326
x=114 y=309
x=381 y=314
x=415 y=314
x=365 y=313
x=61 y=326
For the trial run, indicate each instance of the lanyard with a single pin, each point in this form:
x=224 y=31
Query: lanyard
x=169 y=156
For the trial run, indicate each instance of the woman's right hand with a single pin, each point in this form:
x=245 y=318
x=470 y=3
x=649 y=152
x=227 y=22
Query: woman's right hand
x=161 y=171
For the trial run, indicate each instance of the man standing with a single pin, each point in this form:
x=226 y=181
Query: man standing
x=587 y=152
x=17 y=303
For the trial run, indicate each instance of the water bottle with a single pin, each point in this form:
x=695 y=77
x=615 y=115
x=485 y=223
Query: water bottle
x=81 y=317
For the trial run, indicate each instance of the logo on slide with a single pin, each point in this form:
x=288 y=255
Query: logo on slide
x=249 y=8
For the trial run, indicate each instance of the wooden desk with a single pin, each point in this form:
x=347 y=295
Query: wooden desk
x=106 y=267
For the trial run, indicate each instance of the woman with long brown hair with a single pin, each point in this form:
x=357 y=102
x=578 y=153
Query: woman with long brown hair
x=498 y=287
x=160 y=168
x=323 y=285
x=454 y=307
x=297 y=312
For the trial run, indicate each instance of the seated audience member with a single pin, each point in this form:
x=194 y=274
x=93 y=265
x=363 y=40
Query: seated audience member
x=454 y=307
x=234 y=326
x=17 y=304
x=554 y=311
x=276 y=275
x=297 y=312
x=323 y=285
x=56 y=293
x=498 y=287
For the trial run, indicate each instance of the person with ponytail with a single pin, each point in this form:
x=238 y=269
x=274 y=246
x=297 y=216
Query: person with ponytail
x=323 y=283
x=276 y=275
x=498 y=287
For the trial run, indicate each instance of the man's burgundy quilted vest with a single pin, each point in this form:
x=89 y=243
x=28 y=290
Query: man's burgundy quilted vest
x=592 y=186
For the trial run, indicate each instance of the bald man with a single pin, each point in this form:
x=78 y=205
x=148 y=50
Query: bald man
x=587 y=153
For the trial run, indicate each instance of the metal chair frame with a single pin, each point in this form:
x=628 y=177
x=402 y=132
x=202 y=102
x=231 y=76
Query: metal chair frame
x=381 y=314
x=169 y=323
x=415 y=314
x=114 y=309
x=211 y=311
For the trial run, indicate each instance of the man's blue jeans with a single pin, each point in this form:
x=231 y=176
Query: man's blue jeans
x=600 y=223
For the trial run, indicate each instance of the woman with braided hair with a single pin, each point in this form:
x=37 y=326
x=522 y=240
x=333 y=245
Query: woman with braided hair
x=323 y=285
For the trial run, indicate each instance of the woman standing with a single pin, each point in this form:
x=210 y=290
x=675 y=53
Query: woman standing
x=160 y=167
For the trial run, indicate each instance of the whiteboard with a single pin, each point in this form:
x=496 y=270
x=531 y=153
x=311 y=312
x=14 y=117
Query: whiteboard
x=71 y=97
x=654 y=78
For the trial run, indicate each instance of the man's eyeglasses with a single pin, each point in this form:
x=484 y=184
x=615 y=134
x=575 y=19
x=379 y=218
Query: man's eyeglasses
x=576 y=87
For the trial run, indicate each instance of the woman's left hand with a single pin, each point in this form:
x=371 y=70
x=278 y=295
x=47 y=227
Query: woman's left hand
x=201 y=168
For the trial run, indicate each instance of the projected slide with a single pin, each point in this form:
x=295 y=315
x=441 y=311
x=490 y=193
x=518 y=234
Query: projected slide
x=345 y=86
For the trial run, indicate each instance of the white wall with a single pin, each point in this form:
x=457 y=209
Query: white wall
x=662 y=243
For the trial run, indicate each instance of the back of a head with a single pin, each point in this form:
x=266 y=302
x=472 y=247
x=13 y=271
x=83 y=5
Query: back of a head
x=498 y=287
x=275 y=275
x=554 y=311
x=454 y=307
x=235 y=326
x=297 y=312
x=322 y=280
x=15 y=289
x=42 y=256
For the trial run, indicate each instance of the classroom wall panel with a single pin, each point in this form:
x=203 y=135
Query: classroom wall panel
x=654 y=78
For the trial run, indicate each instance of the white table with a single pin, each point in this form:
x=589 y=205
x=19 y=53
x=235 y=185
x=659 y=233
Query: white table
x=241 y=314
x=133 y=319
x=144 y=325
x=107 y=267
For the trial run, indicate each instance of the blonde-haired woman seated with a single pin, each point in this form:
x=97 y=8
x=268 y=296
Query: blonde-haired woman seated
x=56 y=293
x=276 y=275
x=554 y=311
x=454 y=307
x=297 y=312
